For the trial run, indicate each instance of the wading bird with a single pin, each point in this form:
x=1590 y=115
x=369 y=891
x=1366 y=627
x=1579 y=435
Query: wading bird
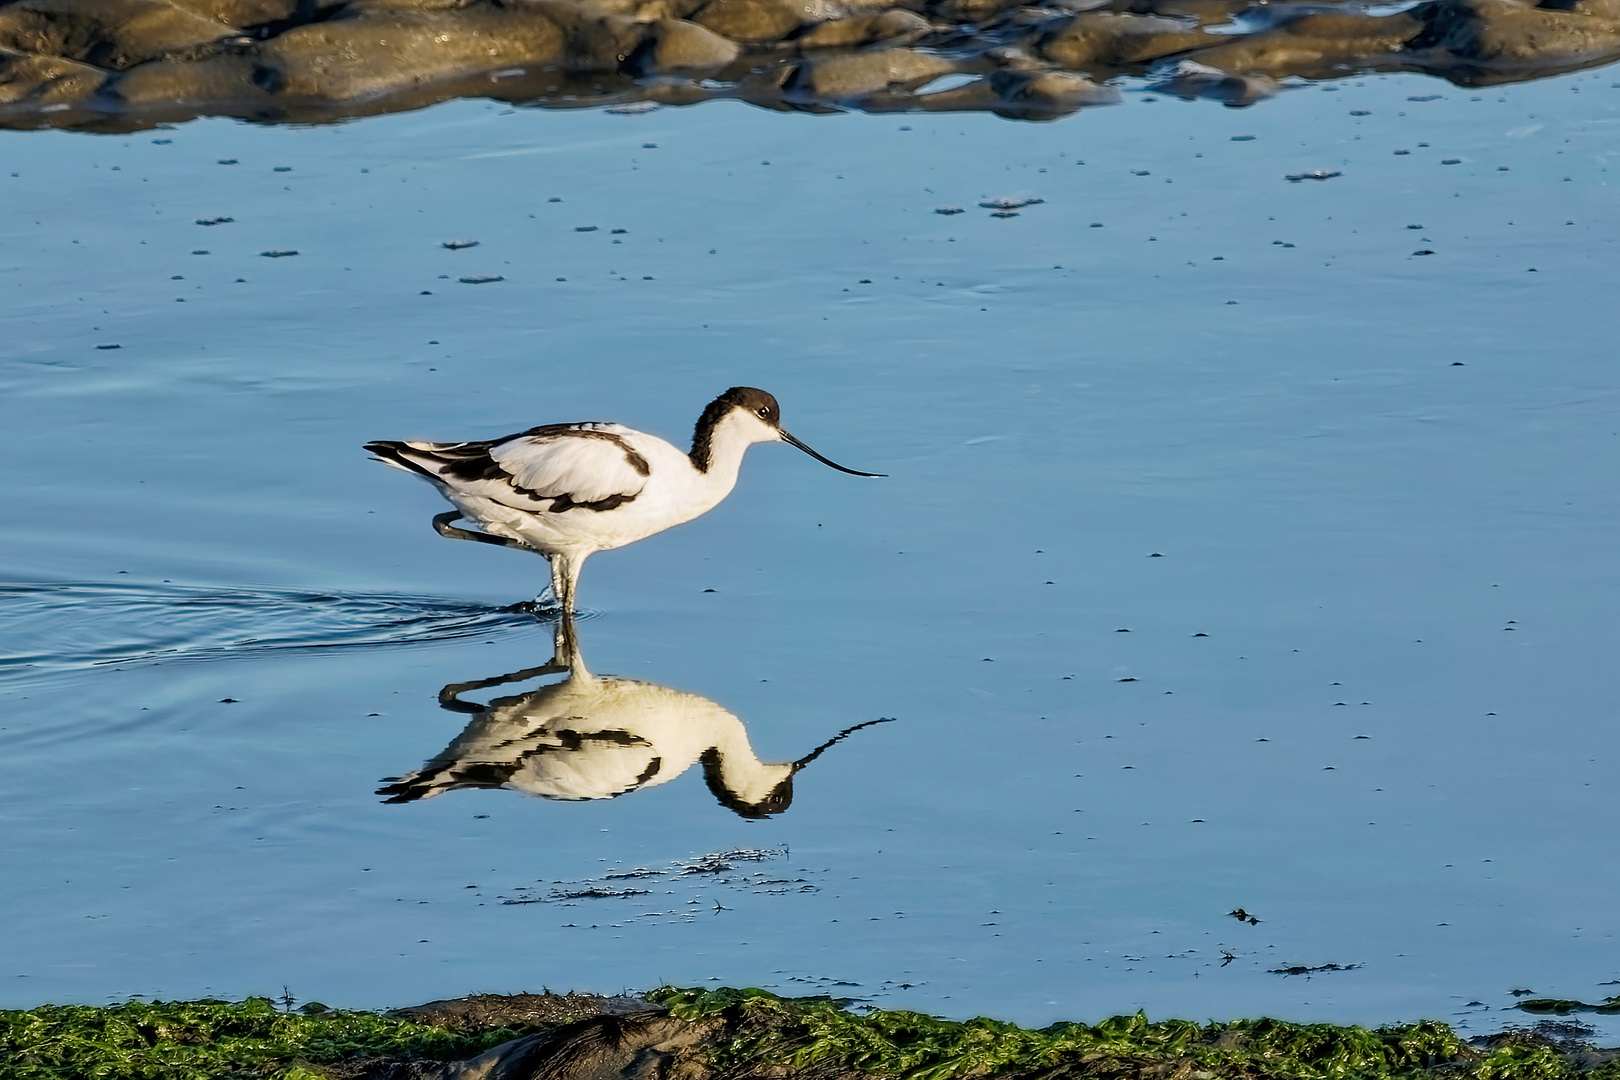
x=599 y=737
x=569 y=490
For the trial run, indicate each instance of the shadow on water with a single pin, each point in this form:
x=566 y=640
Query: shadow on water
x=598 y=737
x=122 y=65
x=61 y=627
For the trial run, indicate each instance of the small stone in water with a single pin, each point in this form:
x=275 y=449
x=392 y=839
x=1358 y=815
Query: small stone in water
x=481 y=279
x=215 y=220
x=457 y=245
x=109 y=346
x=584 y=228
x=949 y=210
x=278 y=253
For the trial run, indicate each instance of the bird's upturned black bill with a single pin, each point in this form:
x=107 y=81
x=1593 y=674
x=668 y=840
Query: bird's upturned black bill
x=789 y=439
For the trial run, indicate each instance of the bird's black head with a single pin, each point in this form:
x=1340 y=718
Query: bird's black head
x=778 y=799
x=756 y=403
x=750 y=400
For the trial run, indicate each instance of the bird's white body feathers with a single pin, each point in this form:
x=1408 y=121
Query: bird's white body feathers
x=592 y=737
x=554 y=484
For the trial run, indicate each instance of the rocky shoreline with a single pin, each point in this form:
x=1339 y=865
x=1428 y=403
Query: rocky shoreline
x=119 y=65
x=723 y=1034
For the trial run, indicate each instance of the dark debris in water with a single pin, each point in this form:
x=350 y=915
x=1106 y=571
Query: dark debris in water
x=1314 y=174
x=683 y=896
x=480 y=279
x=278 y=253
x=1300 y=969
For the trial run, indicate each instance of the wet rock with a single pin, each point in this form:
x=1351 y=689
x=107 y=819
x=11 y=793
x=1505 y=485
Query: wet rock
x=648 y=11
x=223 y=81
x=46 y=80
x=377 y=50
x=109 y=33
x=675 y=46
x=971 y=12
x=758 y=22
x=1189 y=80
x=639 y=1046
x=1316 y=45
x=238 y=14
x=1509 y=34
x=141 y=62
x=481 y=1012
x=1053 y=92
x=894 y=27
x=1105 y=37
x=848 y=78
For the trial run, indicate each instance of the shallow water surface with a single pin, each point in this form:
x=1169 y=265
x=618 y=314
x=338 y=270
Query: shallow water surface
x=1247 y=544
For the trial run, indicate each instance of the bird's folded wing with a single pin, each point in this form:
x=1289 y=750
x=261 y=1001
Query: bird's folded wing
x=586 y=465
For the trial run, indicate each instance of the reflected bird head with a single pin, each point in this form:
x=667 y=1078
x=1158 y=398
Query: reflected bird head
x=769 y=790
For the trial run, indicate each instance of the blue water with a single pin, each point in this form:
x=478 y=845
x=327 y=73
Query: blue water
x=1381 y=483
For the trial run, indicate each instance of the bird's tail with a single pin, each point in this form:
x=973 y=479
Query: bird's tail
x=404 y=455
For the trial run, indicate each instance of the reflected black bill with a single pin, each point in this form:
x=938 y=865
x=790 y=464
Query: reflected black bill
x=795 y=442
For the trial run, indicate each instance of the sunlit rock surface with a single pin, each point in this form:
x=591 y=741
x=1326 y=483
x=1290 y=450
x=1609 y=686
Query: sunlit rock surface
x=121 y=64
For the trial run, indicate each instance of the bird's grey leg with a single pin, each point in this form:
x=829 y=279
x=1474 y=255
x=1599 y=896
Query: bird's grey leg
x=441 y=524
x=449 y=696
x=564 y=576
x=558 y=585
x=566 y=650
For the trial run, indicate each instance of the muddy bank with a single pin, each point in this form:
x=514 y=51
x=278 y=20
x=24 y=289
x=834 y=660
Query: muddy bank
x=127 y=64
x=726 y=1034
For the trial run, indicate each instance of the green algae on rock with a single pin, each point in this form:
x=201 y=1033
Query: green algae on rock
x=724 y=1034
x=116 y=65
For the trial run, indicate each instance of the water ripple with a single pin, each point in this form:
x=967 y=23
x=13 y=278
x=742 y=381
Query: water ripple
x=54 y=627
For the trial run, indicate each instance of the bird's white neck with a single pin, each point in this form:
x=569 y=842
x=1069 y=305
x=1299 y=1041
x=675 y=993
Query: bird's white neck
x=741 y=771
x=717 y=450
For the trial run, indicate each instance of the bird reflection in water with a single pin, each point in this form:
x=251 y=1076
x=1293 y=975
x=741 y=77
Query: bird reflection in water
x=599 y=737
